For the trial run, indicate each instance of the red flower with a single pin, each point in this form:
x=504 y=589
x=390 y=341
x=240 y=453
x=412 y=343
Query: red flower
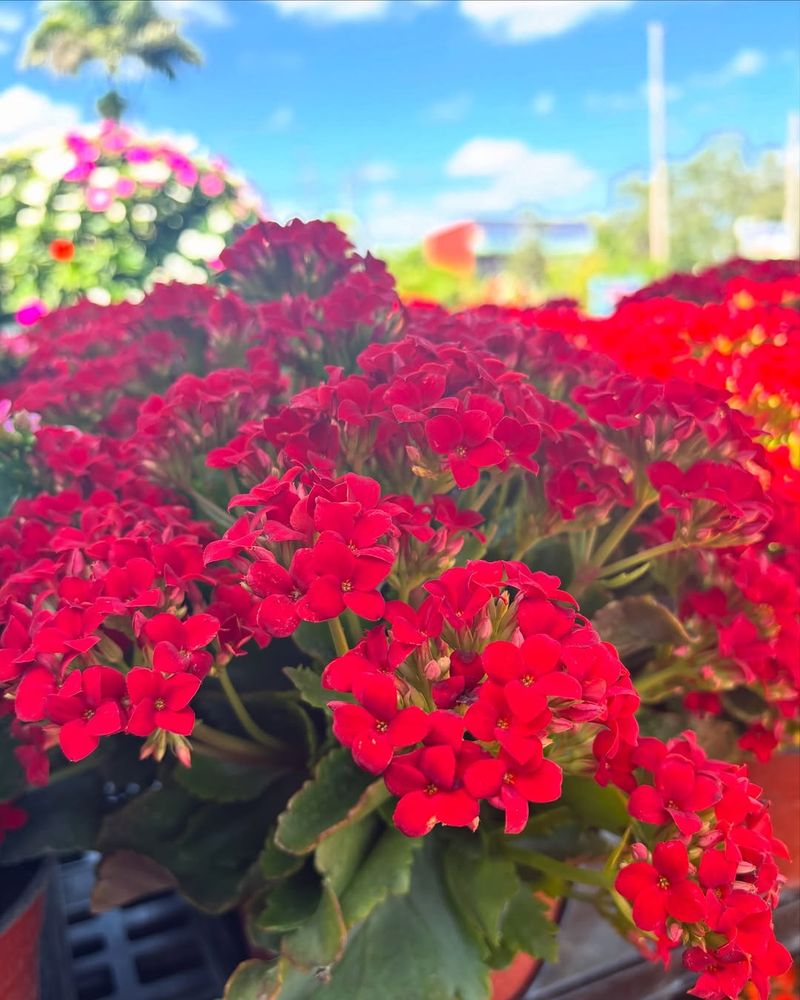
x=345 y=580
x=11 y=818
x=427 y=782
x=493 y=717
x=159 y=702
x=377 y=728
x=87 y=706
x=283 y=606
x=511 y=786
x=662 y=889
x=178 y=644
x=723 y=973
x=529 y=673
x=62 y=250
x=466 y=441
x=679 y=793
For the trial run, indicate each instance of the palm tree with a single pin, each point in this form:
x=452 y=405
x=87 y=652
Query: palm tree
x=76 y=32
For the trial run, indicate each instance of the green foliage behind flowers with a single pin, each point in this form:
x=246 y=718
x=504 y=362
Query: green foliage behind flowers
x=104 y=214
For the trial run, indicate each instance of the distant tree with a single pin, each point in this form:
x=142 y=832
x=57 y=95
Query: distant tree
x=707 y=194
x=75 y=32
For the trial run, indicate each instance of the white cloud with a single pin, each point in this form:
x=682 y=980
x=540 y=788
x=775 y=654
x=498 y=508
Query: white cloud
x=213 y=13
x=449 y=109
x=28 y=117
x=543 y=103
x=280 y=119
x=527 y=20
x=746 y=62
x=331 y=11
x=376 y=172
x=515 y=175
x=10 y=21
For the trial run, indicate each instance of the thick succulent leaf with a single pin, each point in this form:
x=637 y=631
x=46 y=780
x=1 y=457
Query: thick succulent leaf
x=635 y=624
x=340 y=793
x=593 y=805
x=527 y=927
x=481 y=888
x=386 y=871
x=255 y=980
x=320 y=941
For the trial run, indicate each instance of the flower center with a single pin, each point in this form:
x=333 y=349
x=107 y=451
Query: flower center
x=460 y=451
x=347 y=586
x=663 y=882
x=508 y=778
x=88 y=714
x=431 y=789
x=381 y=726
x=503 y=723
x=672 y=804
x=160 y=704
x=527 y=680
x=295 y=595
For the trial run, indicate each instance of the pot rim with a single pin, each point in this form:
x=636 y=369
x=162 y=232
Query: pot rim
x=33 y=889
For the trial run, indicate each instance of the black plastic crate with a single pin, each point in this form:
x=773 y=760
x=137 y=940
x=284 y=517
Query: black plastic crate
x=159 y=948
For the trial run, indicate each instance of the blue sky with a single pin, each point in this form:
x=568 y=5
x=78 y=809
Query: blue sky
x=416 y=112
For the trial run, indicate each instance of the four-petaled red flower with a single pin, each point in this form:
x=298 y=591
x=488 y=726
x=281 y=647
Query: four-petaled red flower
x=430 y=792
x=510 y=786
x=88 y=705
x=376 y=728
x=160 y=702
x=662 y=889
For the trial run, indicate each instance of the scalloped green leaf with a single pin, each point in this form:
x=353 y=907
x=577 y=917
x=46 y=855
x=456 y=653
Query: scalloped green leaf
x=255 y=980
x=386 y=871
x=340 y=793
x=321 y=939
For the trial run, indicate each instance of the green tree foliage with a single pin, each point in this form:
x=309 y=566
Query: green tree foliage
x=73 y=33
x=707 y=194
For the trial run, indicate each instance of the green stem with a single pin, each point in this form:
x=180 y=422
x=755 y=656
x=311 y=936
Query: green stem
x=618 y=532
x=210 y=509
x=72 y=770
x=485 y=493
x=560 y=869
x=339 y=638
x=640 y=557
x=650 y=684
x=246 y=720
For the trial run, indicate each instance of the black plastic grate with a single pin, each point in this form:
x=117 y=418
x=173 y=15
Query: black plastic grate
x=156 y=949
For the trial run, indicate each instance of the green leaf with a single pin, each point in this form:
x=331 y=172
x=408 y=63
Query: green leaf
x=321 y=939
x=275 y=863
x=527 y=927
x=208 y=847
x=386 y=871
x=292 y=902
x=314 y=639
x=255 y=980
x=635 y=624
x=411 y=947
x=224 y=780
x=340 y=793
x=593 y=805
x=481 y=888
x=339 y=856
x=309 y=683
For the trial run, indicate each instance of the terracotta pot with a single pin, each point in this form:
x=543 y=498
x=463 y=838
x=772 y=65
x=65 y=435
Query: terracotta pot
x=22 y=893
x=780 y=779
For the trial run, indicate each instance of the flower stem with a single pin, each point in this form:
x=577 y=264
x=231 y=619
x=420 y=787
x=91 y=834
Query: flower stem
x=618 y=532
x=560 y=869
x=612 y=569
x=215 y=743
x=651 y=684
x=339 y=638
x=246 y=720
x=212 y=510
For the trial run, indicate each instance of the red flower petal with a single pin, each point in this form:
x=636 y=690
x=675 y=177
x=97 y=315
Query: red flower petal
x=365 y=604
x=414 y=814
x=444 y=433
x=180 y=690
x=350 y=721
x=439 y=765
x=647 y=804
x=636 y=878
x=180 y=722
x=76 y=741
x=373 y=751
x=484 y=778
x=650 y=909
x=503 y=661
x=671 y=860
x=541 y=785
x=686 y=902
x=408 y=727
x=517 y=809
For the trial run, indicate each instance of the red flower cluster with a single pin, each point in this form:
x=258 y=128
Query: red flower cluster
x=711 y=881
x=492 y=668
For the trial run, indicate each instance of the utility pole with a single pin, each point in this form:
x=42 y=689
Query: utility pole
x=658 y=220
x=791 y=200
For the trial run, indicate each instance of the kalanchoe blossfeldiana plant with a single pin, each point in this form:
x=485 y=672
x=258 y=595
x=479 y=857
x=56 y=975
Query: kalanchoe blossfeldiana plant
x=374 y=621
